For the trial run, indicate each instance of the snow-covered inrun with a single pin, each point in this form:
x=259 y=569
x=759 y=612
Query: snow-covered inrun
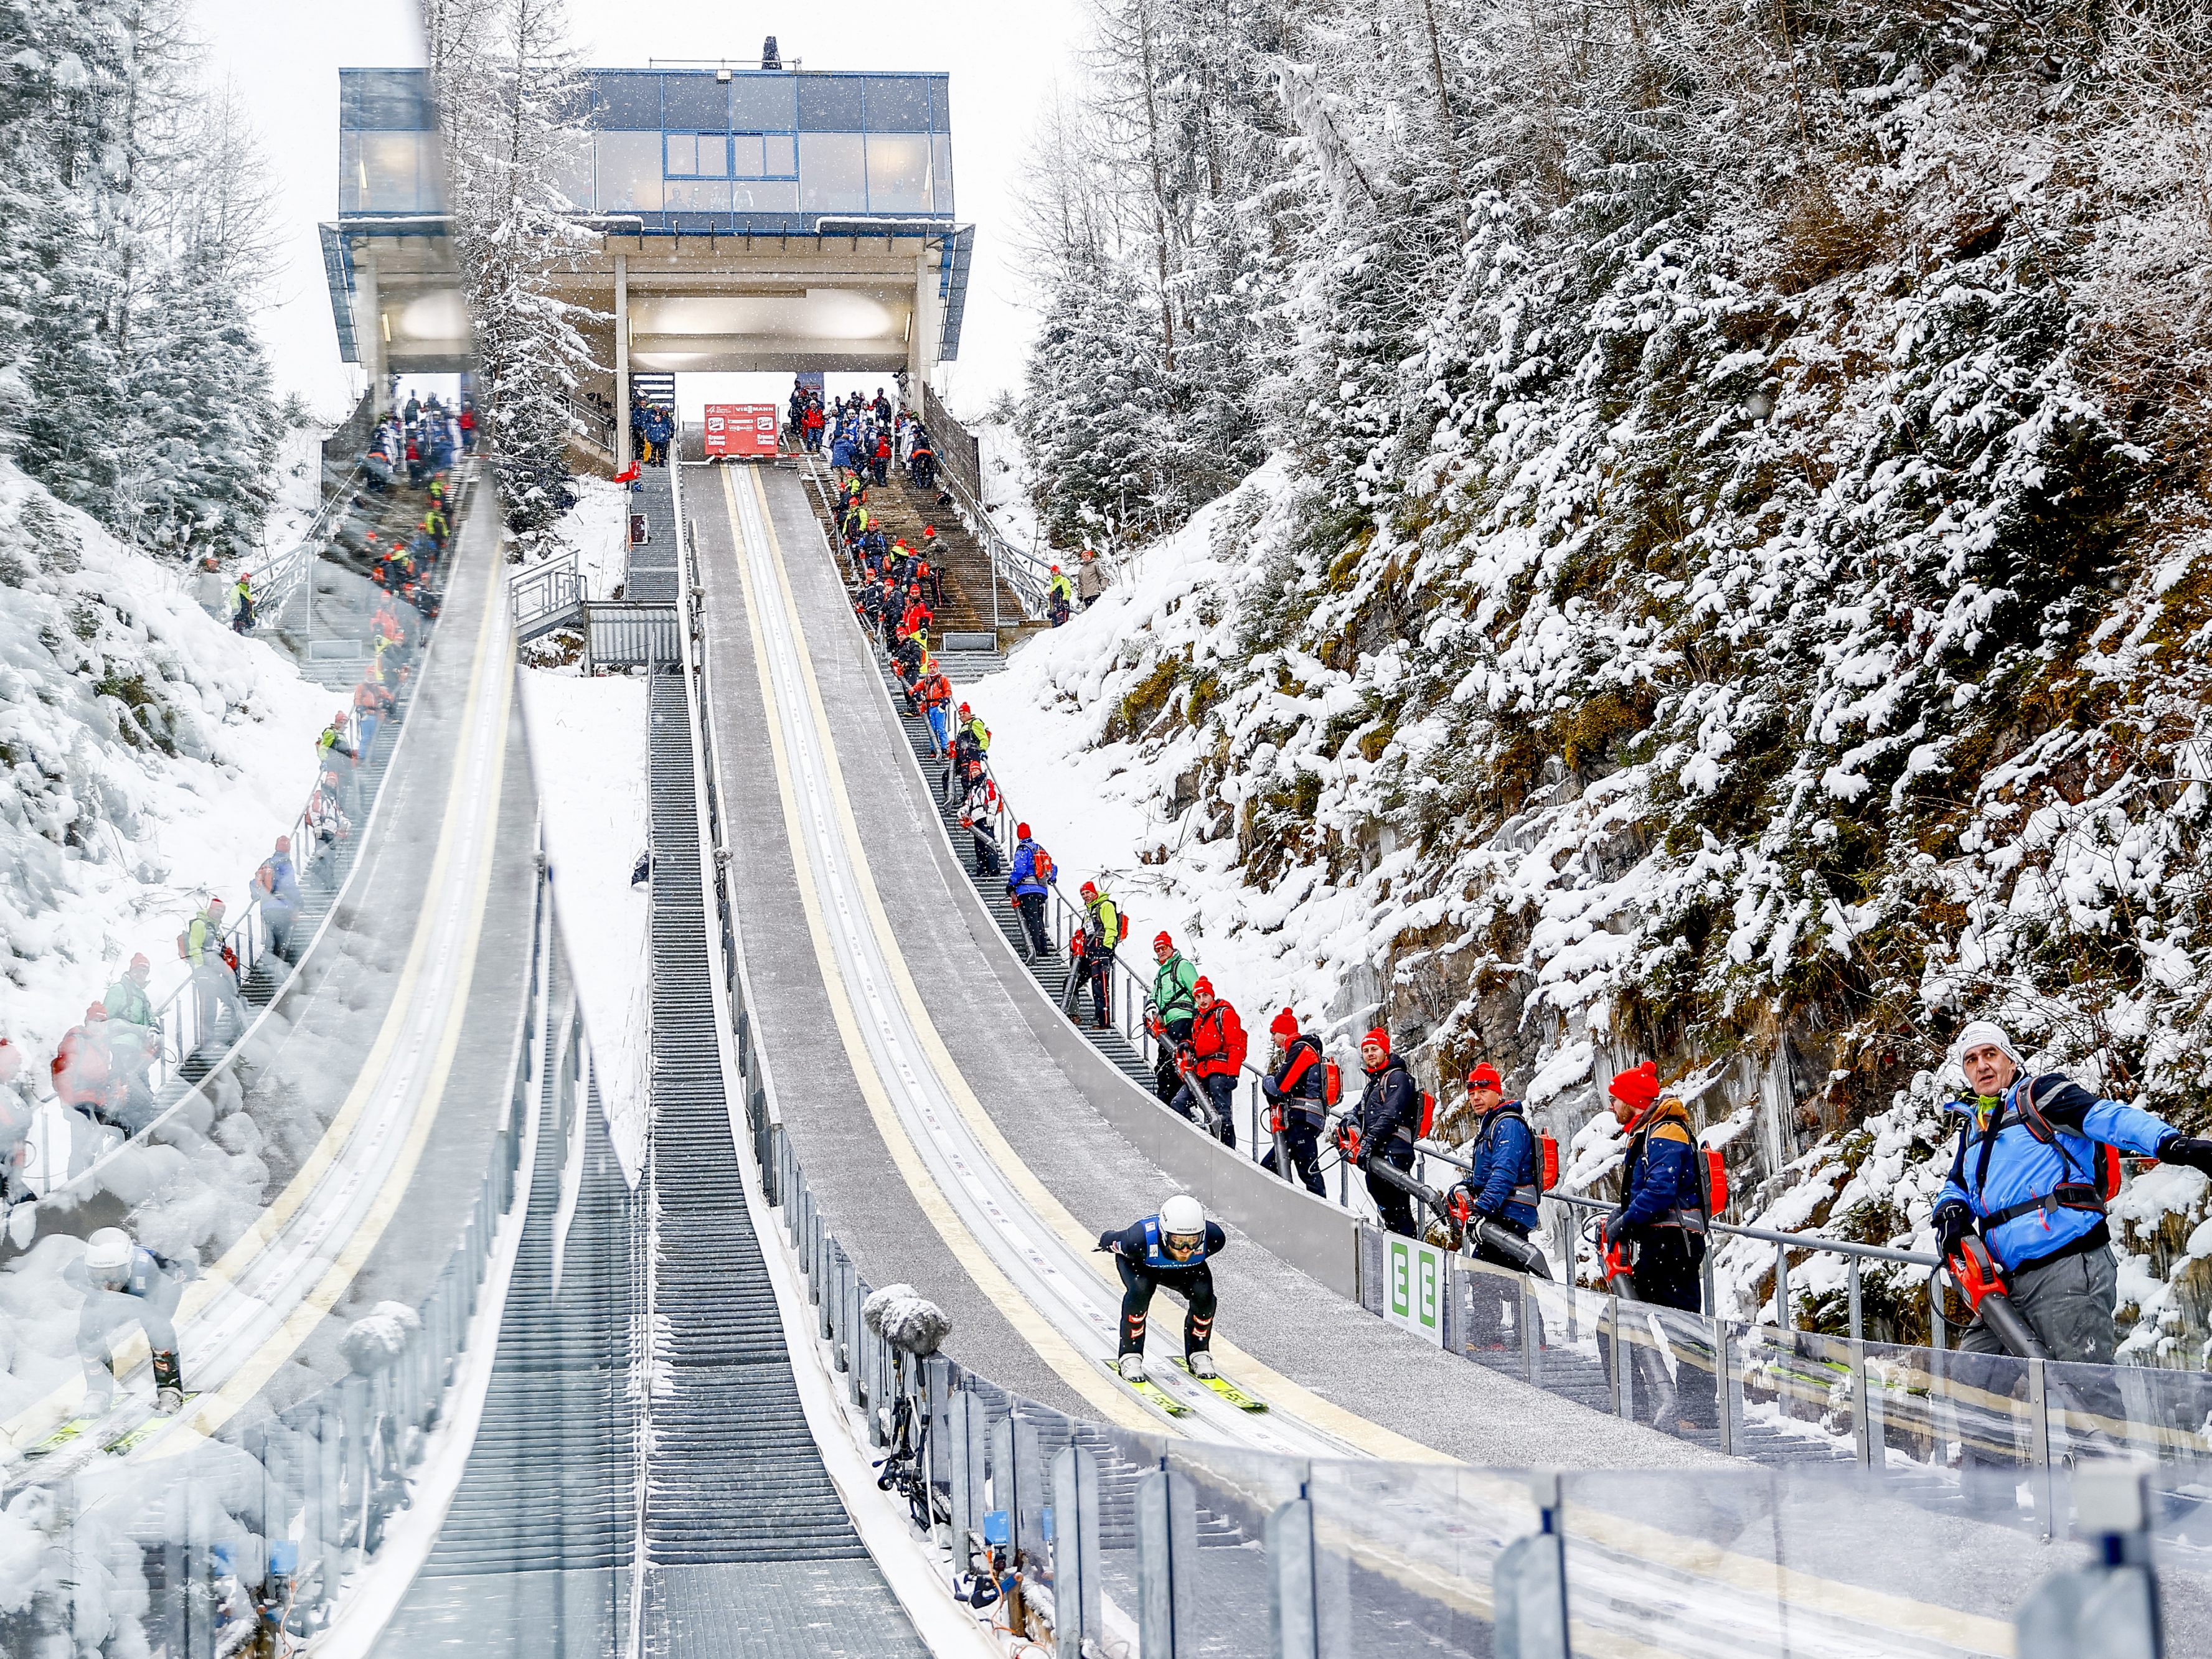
x=587 y=745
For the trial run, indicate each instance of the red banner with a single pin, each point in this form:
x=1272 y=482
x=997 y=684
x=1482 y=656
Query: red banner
x=745 y=430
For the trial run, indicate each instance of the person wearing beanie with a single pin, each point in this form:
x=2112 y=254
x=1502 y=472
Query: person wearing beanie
x=1215 y=1054
x=134 y=1037
x=1501 y=1187
x=2033 y=1169
x=1296 y=1091
x=1174 y=1006
x=1103 y=928
x=1027 y=883
x=1388 y=1119
x=1661 y=1221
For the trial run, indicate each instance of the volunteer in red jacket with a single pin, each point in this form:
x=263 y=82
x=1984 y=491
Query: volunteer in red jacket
x=1216 y=1052
x=1297 y=1088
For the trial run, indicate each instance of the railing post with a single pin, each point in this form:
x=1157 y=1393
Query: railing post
x=2039 y=1444
x=1530 y=1584
x=1077 y=1588
x=1167 y=1552
x=1782 y=1286
x=1725 y=1385
x=1852 y=1272
x=1863 y=1435
x=1294 y=1610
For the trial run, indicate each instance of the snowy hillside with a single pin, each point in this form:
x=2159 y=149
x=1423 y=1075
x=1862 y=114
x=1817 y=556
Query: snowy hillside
x=152 y=756
x=1733 y=582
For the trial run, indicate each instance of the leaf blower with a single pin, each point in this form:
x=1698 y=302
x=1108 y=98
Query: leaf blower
x=1974 y=1273
x=1502 y=1242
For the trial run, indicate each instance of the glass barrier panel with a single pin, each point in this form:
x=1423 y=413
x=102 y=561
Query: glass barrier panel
x=1234 y=1491
x=897 y=103
x=1404 y=1553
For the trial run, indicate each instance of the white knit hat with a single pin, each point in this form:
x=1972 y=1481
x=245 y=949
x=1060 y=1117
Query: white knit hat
x=1985 y=1034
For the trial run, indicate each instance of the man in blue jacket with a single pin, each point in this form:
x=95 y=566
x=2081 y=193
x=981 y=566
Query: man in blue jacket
x=1661 y=1220
x=1027 y=887
x=2025 y=1175
x=1501 y=1188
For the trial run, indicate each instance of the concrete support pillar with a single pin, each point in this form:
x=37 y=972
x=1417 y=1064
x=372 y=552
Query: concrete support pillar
x=621 y=363
x=921 y=335
x=368 y=332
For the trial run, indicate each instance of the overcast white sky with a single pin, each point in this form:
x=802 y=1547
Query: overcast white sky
x=1002 y=55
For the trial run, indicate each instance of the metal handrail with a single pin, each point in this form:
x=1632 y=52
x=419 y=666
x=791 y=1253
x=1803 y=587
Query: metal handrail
x=278 y=573
x=539 y=590
x=1027 y=575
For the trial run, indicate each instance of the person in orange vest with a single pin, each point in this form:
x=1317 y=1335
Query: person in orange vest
x=1213 y=1054
x=935 y=693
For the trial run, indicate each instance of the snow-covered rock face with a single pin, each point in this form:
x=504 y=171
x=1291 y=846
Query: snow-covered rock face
x=148 y=756
x=1757 y=629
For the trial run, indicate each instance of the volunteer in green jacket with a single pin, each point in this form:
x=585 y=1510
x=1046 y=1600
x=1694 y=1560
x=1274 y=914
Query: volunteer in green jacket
x=1175 y=1006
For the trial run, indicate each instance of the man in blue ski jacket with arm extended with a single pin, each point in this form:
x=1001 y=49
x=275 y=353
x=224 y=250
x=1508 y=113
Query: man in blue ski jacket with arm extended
x=2026 y=1175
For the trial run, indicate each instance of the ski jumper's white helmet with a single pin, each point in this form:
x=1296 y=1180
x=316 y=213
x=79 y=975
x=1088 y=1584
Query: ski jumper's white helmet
x=1181 y=1217
x=107 y=1252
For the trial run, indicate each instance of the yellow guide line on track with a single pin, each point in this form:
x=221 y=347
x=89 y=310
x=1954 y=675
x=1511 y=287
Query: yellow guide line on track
x=1031 y=1325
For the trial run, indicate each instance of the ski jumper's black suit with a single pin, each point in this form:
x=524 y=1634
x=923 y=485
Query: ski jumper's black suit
x=1141 y=1254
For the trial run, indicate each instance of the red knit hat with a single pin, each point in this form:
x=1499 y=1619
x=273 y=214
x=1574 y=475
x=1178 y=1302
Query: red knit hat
x=1163 y=938
x=1638 y=1086
x=1484 y=1076
x=1379 y=1037
x=1201 y=987
x=1285 y=1024
x=1022 y=831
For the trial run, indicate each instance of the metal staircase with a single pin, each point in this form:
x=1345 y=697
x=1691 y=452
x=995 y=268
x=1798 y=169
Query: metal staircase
x=734 y=1483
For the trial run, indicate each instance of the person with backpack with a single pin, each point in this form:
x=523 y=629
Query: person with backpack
x=1297 y=1092
x=1382 y=1129
x=84 y=1074
x=1213 y=1054
x=1059 y=598
x=1027 y=884
x=1660 y=1226
x=1501 y=1188
x=1174 y=1007
x=976 y=820
x=1104 y=926
x=134 y=1036
x=213 y=977
x=935 y=694
x=276 y=889
x=2035 y=1166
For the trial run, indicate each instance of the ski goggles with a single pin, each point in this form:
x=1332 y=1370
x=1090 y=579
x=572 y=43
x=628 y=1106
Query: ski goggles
x=1182 y=1245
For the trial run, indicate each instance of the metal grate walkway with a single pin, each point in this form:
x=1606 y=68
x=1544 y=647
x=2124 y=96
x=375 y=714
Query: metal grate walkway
x=750 y=1547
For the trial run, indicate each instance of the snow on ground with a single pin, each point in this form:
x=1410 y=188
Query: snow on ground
x=151 y=756
x=587 y=743
x=1096 y=806
x=596 y=531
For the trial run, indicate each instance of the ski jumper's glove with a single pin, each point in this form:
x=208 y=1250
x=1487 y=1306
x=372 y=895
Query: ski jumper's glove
x=1955 y=1220
x=2194 y=1151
